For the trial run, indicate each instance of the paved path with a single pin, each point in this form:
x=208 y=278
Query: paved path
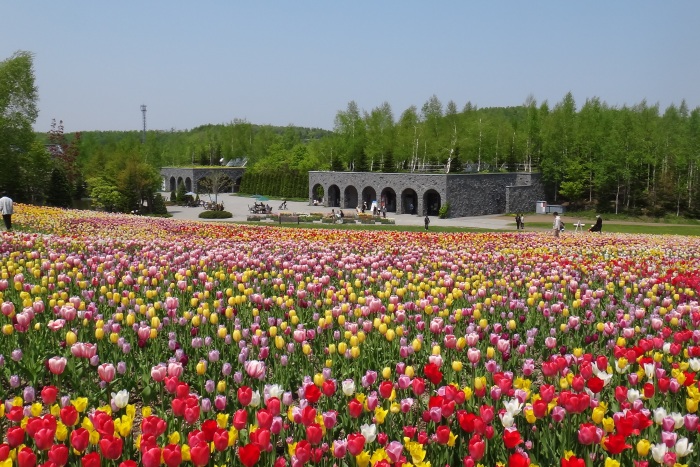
x=238 y=206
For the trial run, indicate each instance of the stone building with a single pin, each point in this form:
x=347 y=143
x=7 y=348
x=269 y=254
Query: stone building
x=421 y=193
x=227 y=178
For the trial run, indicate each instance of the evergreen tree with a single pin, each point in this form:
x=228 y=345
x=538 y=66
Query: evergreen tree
x=59 y=192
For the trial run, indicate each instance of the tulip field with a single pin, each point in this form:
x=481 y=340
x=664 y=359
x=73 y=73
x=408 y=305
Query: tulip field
x=129 y=340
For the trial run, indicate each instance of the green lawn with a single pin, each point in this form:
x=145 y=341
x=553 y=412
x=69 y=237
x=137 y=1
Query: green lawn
x=664 y=229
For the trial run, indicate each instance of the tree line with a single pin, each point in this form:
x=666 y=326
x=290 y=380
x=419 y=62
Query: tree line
x=634 y=158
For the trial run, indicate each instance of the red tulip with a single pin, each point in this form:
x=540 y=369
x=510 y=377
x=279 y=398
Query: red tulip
x=249 y=455
x=573 y=461
x=385 y=389
x=418 y=386
x=518 y=460
x=4 y=451
x=273 y=405
x=477 y=447
x=111 y=447
x=615 y=444
x=245 y=395
x=58 y=454
x=44 y=437
x=15 y=436
x=314 y=434
x=26 y=457
x=199 y=454
x=261 y=438
x=49 y=394
x=91 y=460
x=220 y=439
x=433 y=373
x=649 y=390
x=540 y=408
x=79 y=439
x=312 y=393
x=128 y=463
x=172 y=455
x=264 y=417
x=15 y=414
x=153 y=425
x=595 y=384
x=151 y=458
x=511 y=437
x=240 y=419
x=466 y=420
x=547 y=392
x=303 y=451
x=69 y=415
x=329 y=387
x=356 y=443
x=191 y=414
x=588 y=433
x=103 y=423
x=443 y=434
x=308 y=415
x=355 y=408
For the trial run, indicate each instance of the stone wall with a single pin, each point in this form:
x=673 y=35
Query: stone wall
x=190 y=176
x=467 y=194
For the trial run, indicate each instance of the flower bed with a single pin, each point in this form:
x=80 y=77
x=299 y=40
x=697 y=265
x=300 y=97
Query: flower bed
x=129 y=340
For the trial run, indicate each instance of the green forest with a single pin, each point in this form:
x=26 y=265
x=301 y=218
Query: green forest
x=639 y=159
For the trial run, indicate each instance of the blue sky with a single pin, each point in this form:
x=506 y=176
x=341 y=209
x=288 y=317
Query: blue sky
x=300 y=62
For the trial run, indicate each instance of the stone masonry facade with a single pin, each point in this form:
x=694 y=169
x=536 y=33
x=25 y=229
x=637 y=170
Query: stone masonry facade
x=467 y=194
x=191 y=176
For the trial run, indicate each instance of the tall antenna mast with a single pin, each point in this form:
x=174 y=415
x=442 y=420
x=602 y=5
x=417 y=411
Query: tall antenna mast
x=143 y=111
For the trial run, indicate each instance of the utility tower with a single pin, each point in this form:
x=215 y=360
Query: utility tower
x=143 y=111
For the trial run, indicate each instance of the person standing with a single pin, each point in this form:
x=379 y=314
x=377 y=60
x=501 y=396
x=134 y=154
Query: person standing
x=556 y=226
x=427 y=222
x=6 y=207
x=384 y=211
x=517 y=222
x=522 y=222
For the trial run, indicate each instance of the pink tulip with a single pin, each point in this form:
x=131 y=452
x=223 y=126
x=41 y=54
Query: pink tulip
x=106 y=371
x=57 y=365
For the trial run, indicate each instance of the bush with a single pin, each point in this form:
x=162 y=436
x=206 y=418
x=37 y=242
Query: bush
x=444 y=211
x=215 y=215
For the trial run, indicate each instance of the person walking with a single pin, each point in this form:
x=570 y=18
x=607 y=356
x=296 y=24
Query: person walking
x=6 y=207
x=522 y=222
x=427 y=222
x=556 y=226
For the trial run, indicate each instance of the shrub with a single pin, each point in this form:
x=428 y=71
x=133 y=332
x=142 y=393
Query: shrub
x=444 y=211
x=215 y=215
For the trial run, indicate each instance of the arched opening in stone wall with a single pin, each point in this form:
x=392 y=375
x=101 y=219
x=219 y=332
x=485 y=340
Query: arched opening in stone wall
x=351 y=201
x=317 y=193
x=188 y=184
x=180 y=181
x=431 y=202
x=237 y=184
x=388 y=199
x=369 y=196
x=173 y=184
x=409 y=201
x=333 y=196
